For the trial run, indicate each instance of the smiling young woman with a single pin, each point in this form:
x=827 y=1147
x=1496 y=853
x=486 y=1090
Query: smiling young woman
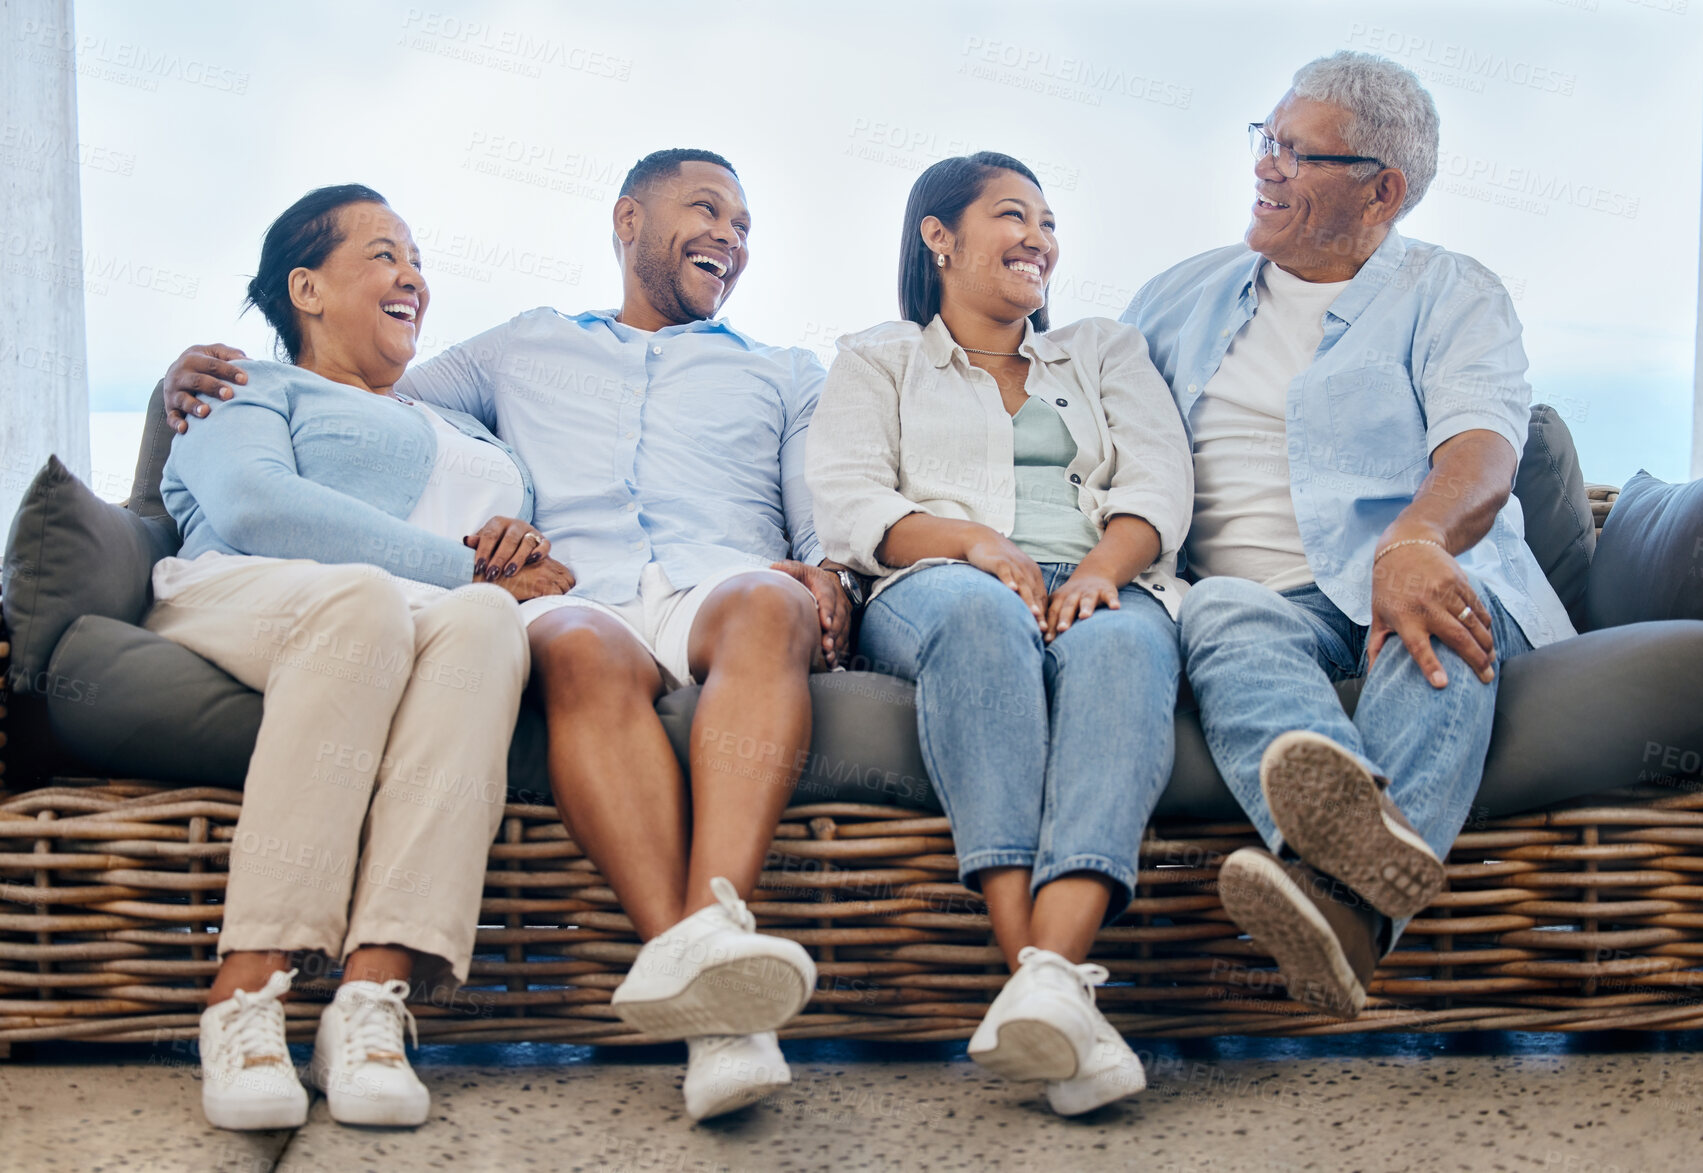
x=1020 y=493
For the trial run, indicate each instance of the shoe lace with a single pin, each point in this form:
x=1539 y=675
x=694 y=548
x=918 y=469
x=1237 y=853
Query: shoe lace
x=252 y=1030
x=375 y=1025
x=728 y=897
x=1087 y=973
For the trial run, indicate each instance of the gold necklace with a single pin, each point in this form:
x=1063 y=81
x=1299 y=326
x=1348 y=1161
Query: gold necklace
x=995 y=353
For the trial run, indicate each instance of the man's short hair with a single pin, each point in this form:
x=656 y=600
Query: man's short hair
x=662 y=165
x=1390 y=115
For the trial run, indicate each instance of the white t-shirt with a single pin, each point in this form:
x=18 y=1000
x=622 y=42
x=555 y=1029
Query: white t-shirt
x=1244 y=516
x=472 y=481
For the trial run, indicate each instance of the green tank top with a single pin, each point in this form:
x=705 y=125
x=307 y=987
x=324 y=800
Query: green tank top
x=1049 y=526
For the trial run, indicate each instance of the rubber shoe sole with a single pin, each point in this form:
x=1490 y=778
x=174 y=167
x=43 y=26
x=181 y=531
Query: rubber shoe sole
x=1273 y=910
x=1028 y=1049
x=722 y=1099
x=742 y=997
x=255 y=1115
x=1331 y=812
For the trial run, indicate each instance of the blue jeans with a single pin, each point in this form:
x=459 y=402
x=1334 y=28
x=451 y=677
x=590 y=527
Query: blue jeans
x=1046 y=756
x=1261 y=664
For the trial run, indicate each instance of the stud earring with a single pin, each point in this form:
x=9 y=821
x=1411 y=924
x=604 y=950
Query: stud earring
x=940 y=260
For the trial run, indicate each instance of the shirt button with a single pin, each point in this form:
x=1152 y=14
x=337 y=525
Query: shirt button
x=1062 y=402
x=631 y=506
x=1222 y=334
x=1158 y=586
x=1074 y=478
x=630 y=435
x=656 y=350
x=1193 y=388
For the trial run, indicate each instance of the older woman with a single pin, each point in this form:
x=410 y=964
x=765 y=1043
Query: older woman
x=1020 y=494
x=330 y=560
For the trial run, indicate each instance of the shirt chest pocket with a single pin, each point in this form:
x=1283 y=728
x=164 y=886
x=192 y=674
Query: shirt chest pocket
x=1376 y=427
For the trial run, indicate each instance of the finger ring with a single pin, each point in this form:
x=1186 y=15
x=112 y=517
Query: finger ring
x=1466 y=613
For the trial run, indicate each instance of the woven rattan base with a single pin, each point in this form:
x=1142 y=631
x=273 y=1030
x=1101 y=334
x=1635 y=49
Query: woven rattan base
x=1578 y=918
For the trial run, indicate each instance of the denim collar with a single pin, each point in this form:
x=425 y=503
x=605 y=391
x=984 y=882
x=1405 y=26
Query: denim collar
x=1370 y=281
x=939 y=346
x=701 y=326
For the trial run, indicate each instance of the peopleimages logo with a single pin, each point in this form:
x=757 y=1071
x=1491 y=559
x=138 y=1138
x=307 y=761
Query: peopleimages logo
x=1482 y=178
x=1467 y=63
x=1066 y=77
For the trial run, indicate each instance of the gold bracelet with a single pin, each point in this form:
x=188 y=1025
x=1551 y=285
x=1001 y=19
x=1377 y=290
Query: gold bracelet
x=1408 y=542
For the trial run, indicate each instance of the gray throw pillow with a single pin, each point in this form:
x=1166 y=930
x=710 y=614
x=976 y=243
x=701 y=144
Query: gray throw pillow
x=71 y=554
x=1649 y=560
x=1551 y=489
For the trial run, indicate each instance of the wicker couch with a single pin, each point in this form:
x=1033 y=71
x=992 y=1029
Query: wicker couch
x=1578 y=916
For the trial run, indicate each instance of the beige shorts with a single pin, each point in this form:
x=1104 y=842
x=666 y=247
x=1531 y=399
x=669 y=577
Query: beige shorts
x=661 y=617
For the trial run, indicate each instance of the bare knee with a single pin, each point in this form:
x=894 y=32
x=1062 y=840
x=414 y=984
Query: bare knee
x=592 y=657
x=764 y=614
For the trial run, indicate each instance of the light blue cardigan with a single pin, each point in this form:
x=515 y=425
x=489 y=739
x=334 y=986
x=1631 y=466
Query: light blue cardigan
x=297 y=466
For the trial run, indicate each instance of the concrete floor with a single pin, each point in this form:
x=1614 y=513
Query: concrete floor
x=1486 y=1102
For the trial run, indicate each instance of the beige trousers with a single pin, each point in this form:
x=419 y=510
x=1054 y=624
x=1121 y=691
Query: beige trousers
x=378 y=778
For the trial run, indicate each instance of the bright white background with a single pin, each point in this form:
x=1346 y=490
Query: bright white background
x=1571 y=134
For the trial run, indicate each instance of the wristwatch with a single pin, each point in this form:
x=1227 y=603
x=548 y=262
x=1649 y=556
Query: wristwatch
x=852 y=584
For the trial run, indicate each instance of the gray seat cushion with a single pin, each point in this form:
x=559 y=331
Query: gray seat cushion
x=1585 y=714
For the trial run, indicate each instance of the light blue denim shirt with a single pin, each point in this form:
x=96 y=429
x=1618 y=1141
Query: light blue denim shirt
x=684 y=447
x=1422 y=345
x=297 y=466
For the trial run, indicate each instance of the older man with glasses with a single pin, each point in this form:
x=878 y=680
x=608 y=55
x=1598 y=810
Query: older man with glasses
x=1357 y=404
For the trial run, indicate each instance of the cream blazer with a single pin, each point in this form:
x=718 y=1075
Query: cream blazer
x=906 y=425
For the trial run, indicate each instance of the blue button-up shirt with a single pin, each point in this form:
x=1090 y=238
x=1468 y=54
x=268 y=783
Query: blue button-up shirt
x=1422 y=345
x=684 y=446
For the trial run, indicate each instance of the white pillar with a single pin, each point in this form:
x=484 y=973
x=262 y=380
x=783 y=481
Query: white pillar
x=1697 y=367
x=44 y=384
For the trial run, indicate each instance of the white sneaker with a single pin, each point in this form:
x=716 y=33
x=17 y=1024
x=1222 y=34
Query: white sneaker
x=714 y=974
x=1112 y=1073
x=725 y=1073
x=1042 y=1024
x=247 y=1078
x=359 y=1060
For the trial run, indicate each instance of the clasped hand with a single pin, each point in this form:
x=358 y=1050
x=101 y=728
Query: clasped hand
x=1082 y=594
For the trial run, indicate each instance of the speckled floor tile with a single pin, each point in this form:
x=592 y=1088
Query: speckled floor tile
x=1502 y=1103
x=129 y=1115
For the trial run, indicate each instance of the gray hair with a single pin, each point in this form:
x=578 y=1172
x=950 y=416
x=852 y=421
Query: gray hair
x=1390 y=115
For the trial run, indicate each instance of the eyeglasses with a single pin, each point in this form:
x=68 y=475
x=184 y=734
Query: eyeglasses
x=1287 y=158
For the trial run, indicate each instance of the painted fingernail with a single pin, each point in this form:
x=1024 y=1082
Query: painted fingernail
x=509 y=573
x=534 y=556
x=479 y=567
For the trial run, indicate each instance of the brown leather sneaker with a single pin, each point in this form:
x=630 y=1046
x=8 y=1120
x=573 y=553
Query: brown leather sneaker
x=1326 y=948
x=1340 y=819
